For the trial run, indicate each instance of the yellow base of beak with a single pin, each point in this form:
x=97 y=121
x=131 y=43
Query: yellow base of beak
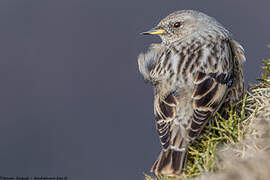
x=154 y=32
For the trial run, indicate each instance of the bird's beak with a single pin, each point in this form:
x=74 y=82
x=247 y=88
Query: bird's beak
x=154 y=31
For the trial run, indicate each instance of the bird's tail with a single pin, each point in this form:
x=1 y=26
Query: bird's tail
x=170 y=162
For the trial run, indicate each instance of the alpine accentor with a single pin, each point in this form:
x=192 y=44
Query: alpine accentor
x=195 y=70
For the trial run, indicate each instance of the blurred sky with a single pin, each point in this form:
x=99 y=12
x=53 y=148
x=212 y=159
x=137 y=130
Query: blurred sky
x=72 y=100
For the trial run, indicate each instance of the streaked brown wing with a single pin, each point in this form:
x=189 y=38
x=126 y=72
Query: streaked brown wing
x=208 y=94
x=165 y=112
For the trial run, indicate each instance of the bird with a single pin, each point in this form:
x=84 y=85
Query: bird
x=195 y=71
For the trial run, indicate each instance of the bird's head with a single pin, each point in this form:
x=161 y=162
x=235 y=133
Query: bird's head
x=182 y=24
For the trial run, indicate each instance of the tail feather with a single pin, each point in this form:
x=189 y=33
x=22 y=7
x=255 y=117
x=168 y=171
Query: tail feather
x=169 y=162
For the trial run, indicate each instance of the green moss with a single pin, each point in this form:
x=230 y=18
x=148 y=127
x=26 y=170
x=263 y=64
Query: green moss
x=201 y=155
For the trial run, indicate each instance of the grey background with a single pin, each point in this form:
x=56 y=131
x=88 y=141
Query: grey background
x=72 y=100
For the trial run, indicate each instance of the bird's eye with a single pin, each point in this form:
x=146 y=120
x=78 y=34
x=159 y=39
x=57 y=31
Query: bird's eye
x=177 y=24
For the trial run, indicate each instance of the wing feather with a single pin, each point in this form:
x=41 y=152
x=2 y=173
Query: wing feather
x=208 y=94
x=165 y=112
